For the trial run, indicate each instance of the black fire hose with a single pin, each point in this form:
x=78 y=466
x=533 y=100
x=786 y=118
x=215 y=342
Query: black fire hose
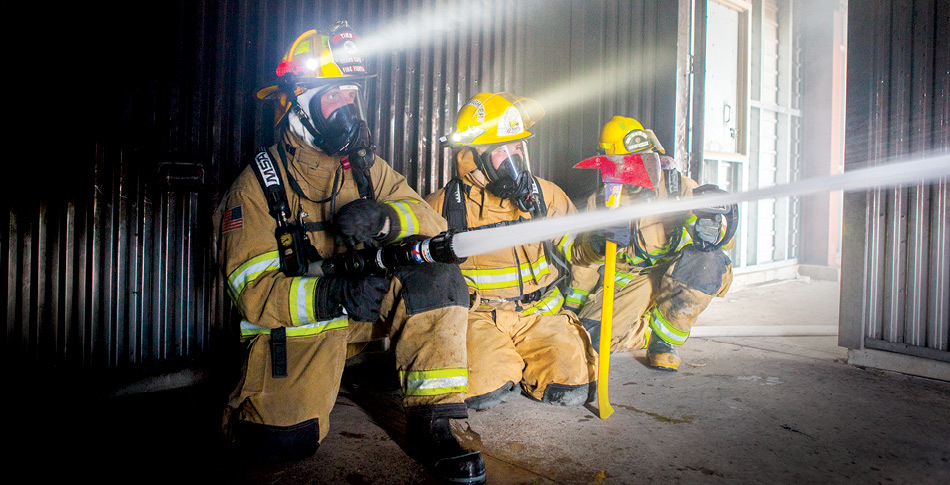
x=385 y=260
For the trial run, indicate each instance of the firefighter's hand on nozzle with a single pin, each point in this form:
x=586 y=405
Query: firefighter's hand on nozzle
x=360 y=296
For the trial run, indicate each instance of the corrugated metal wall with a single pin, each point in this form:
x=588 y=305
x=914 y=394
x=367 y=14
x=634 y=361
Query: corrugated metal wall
x=895 y=293
x=110 y=262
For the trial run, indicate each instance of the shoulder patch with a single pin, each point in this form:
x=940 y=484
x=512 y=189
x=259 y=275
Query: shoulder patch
x=232 y=220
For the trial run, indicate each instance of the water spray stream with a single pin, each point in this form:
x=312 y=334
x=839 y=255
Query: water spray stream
x=882 y=176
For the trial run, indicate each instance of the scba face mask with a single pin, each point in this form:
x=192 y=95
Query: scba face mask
x=509 y=175
x=339 y=126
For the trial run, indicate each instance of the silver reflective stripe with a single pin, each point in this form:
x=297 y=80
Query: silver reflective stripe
x=566 y=246
x=250 y=270
x=665 y=331
x=409 y=225
x=301 y=300
x=437 y=383
x=548 y=305
x=498 y=278
x=249 y=329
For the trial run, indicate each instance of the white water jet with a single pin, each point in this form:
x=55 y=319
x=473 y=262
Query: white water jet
x=882 y=176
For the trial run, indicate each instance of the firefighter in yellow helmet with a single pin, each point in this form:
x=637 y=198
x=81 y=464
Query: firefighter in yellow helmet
x=320 y=191
x=669 y=268
x=518 y=334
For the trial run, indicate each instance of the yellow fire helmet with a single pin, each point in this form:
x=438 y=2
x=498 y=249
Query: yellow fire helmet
x=318 y=57
x=622 y=135
x=494 y=118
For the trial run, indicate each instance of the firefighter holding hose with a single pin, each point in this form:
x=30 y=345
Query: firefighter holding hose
x=321 y=191
x=668 y=268
x=519 y=337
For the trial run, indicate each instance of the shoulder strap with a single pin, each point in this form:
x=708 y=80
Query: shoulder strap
x=673 y=186
x=536 y=188
x=453 y=207
x=268 y=174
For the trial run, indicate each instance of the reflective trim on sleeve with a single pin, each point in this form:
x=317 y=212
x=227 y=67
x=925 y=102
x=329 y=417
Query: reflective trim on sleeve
x=548 y=305
x=576 y=297
x=251 y=270
x=248 y=329
x=687 y=237
x=566 y=245
x=301 y=300
x=433 y=382
x=663 y=329
x=490 y=279
x=408 y=223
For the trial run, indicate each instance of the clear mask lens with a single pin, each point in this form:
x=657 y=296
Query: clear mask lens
x=338 y=117
x=506 y=161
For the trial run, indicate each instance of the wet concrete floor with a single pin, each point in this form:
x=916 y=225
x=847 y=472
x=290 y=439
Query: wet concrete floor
x=740 y=410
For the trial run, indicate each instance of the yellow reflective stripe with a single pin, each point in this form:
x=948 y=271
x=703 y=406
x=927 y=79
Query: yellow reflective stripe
x=250 y=270
x=434 y=381
x=633 y=260
x=487 y=279
x=248 y=329
x=301 y=300
x=622 y=279
x=408 y=223
x=548 y=305
x=662 y=328
x=566 y=245
x=685 y=239
x=576 y=297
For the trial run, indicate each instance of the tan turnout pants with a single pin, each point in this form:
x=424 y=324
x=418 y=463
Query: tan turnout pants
x=534 y=350
x=427 y=342
x=635 y=306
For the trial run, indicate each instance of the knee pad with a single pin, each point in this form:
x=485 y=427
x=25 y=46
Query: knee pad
x=565 y=395
x=272 y=444
x=491 y=399
x=702 y=270
x=432 y=286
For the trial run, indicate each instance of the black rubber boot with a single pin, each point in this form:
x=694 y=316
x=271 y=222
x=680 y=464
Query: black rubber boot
x=431 y=440
x=489 y=400
x=565 y=395
x=261 y=443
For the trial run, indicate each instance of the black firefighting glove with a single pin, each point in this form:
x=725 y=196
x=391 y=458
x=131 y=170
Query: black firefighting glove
x=365 y=221
x=708 y=229
x=360 y=297
x=619 y=234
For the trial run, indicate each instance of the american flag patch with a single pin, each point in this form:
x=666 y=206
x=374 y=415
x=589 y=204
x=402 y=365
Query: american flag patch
x=232 y=219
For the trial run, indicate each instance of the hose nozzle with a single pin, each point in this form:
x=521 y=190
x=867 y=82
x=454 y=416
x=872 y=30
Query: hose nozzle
x=436 y=249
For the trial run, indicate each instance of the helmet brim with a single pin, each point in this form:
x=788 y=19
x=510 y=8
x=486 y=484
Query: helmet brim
x=273 y=92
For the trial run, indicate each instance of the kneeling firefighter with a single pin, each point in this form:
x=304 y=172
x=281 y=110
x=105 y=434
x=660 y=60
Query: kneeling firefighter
x=669 y=268
x=318 y=192
x=517 y=330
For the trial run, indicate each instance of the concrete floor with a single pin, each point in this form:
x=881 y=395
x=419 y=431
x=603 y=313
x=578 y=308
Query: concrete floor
x=740 y=410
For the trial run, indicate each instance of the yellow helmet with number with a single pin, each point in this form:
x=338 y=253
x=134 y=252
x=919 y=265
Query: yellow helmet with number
x=494 y=118
x=622 y=135
x=316 y=58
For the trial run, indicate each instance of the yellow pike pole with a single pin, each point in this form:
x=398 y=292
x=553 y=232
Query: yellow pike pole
x=607 y=312
x=615 y=171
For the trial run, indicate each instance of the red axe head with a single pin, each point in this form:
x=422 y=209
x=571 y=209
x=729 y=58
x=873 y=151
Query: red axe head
x=642 y=169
